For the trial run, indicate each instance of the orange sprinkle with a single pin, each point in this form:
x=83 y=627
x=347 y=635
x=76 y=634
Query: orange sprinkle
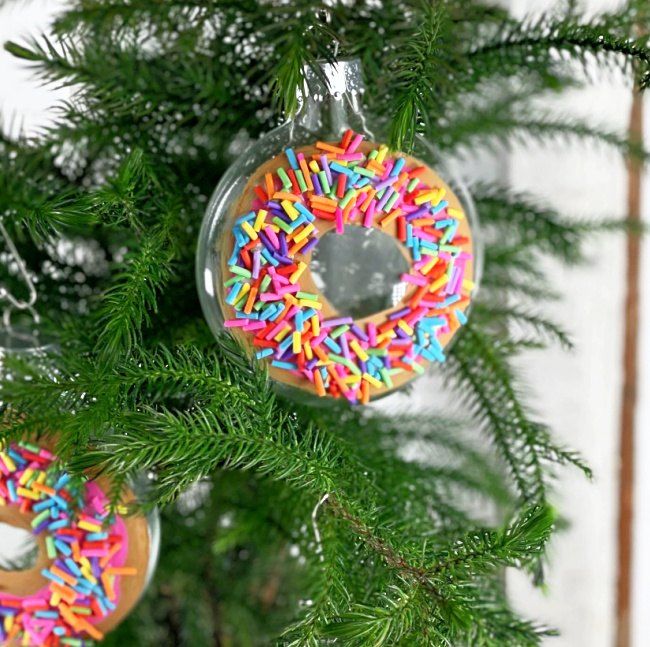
x=122 y=570
x=65 y=592
x=283 y=195
x=386 y=220
x=66 y=577
x=270 y=188
x=250 y=302
x=330 y=148
x=318 y=381
x=306 y=174
x=46 y=489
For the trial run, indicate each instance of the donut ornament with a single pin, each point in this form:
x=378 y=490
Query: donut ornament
x=89 y=565
x=346 y=267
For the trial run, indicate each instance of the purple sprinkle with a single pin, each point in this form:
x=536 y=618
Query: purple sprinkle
x=399 y=314
x=341 y=321
x=358 y=332
x=317 y=186
x=310 y=245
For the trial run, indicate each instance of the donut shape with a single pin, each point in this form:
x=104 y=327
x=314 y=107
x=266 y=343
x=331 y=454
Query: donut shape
x=91 y=566
x=269 y=296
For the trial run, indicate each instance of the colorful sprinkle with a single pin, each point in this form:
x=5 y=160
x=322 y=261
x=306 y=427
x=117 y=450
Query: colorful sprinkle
x=86 y=543
x=339 y=185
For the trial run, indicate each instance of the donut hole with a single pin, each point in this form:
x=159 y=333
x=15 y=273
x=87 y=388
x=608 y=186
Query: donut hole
x=359 y=270
x=19 y=549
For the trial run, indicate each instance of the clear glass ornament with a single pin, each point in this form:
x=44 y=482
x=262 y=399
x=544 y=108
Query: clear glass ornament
x=358 y=274
x=24 y=552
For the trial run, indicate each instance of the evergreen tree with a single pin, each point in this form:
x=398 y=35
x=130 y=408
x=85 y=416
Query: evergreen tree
x=285 y=524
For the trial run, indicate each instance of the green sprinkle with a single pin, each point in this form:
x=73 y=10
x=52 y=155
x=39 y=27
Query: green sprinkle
x=339 y=359
x=323 y=182
x=50 y=548
x=301 y=181
x=412 y=184
x=452 y=249
x=307 y=295
x=286 y=181
x=283 y=225
x=337 y=332
x=241 y=271
x=265 y=283
x=42 y=516
x=417 y=368
x=385 y=376
x=391 y=201
x=231 y=281
x=348 y=196
x=364 y=171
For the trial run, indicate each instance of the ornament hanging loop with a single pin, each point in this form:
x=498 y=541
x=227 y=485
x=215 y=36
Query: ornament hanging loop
x=13 y=302
x=324 y=16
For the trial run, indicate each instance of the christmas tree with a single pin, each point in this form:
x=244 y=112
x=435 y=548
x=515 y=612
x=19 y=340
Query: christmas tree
x=285 y=523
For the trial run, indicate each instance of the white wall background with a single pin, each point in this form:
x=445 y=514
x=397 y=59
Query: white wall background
x=578 y=394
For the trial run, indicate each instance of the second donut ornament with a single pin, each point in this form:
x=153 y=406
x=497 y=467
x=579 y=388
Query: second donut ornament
x=270 y=299
x=92 y=564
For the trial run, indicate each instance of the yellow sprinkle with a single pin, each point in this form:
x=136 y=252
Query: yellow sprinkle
x=468 y=284
x=259 y=220
x=34 y=496
x=308 y=303
x=309 y=353
x=361 y=354
x=252 y=234
x=289 y=209
x=86 y=525
x=283 y=333
x=456 y=213
x=289 y=298
x=351 y=379
x=313 y=165
x=436 y=285
x=405 y=327
x=296 y=342
x=371 y=380
x=304 y=233
x=428 y=196
x=27 y=474
x=315 y=325
x=297 y=272
x=381 y=154
x=429 y=266
x=6 y=459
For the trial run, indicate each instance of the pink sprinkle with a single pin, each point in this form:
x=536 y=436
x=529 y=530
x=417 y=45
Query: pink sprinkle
x=372 y=333
x=286 y=289
x=414 y=280
x=255 y=325
x=272 y=237
x=339 y=221
x=354 y=144
x=270 y=296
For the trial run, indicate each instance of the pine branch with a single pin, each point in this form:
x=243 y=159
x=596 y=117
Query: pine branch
x=415 y=63
x=479 y=367
x=495 y=316
x=537 y=42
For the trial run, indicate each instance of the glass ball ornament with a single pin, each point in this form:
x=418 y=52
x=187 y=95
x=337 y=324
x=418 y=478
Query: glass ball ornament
x=345 y=266
x=58 y=534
